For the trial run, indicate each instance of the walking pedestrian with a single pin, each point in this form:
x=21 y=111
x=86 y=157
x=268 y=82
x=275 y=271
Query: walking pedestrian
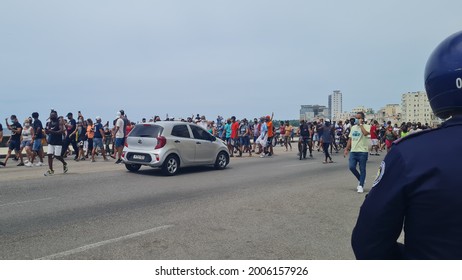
x=98 y=140
x=325 y=133
x=70 y=128
x=358 y=147
x=119 y=132
x=27 y=134
x=14 y=143
x=287 y=135
x=90 y=135
x=55 y=130
x=37 y=146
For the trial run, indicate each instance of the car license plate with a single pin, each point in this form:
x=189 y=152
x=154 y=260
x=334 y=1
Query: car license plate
x=140 y=157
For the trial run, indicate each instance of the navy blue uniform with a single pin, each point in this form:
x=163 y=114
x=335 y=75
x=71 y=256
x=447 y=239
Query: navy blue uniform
x=419 y=185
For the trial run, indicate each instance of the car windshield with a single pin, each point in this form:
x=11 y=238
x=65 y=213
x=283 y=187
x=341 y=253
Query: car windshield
x=146 y=131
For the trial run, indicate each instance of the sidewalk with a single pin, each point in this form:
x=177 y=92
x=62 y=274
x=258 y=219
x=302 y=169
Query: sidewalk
x=4 y=151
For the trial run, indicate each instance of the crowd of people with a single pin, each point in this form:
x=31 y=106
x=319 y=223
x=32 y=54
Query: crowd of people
x=89 y=138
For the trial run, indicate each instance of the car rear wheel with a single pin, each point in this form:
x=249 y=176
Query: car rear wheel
x=171 y=165
x=133 y=167
x=222 y=160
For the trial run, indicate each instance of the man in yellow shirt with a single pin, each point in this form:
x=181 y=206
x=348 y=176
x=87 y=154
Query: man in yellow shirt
x=288 y=131
x=358 y=146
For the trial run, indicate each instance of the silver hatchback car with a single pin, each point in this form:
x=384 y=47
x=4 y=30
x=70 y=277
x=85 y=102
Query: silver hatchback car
x=171 y=144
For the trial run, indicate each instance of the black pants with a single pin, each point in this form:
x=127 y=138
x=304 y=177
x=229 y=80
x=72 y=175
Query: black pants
x=325 y=147
x=66 y=143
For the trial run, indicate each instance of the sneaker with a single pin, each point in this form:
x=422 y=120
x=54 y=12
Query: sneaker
x=93 y=160
x=49 y=173
x=360 y=189
x=262 y=155
x=2 y=163
x=26 y=161
x=29 y=164
x=119 y=161
x=20 y=164
x=65 y=168
x=38 y=164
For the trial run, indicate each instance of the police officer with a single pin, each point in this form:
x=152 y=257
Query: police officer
x=419 y=190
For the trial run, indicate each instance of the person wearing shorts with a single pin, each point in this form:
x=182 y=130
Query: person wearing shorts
x=119 y=137
x=55 y=129
x=26 y=141
x=98 y=140
x=37 y=146
x=14 y=144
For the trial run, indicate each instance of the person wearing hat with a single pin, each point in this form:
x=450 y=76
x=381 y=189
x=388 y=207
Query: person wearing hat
x=70 y=128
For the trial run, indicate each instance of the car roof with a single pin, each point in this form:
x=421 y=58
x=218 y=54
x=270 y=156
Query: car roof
x=167 y=124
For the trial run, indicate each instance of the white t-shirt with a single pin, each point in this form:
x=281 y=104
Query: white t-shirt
x=120 y=132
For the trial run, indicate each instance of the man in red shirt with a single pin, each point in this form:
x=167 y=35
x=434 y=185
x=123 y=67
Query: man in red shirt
x=374 y=138
x=234 y=133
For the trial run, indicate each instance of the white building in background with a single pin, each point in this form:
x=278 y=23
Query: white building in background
x=312 y=112
x=415 y=107
x=335 y=105
x=391 y=112
x=359 y=109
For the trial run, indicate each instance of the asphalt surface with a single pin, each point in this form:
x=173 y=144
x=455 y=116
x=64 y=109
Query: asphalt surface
x=258 y=208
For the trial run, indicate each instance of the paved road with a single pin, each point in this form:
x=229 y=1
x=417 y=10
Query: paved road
x=258 y=208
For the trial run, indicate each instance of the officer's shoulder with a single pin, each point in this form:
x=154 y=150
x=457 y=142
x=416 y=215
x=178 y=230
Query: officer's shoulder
x=416 y=135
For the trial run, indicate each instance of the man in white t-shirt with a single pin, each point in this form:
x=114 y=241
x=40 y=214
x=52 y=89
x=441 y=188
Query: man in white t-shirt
x=119 y=137
x=358 y=146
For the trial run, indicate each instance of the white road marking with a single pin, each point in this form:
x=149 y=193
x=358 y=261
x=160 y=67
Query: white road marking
x=24 y=202
x=102 y=243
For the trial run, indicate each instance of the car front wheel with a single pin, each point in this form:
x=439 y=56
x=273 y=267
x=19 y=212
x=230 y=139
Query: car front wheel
x=222 y=160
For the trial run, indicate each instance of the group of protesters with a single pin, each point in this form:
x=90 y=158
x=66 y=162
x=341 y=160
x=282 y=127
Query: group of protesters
x=90 y=138
x=86 y=137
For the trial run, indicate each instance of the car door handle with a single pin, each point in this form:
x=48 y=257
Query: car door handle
x=177 y=141
x=198 y=143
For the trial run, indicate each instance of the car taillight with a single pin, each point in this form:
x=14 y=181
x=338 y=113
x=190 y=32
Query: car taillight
x=161 y=141
x=126 y=143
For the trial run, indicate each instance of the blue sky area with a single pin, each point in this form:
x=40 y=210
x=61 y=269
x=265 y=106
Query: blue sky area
x=243 y=58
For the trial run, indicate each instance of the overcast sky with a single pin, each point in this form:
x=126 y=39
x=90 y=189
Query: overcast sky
x=244 y=58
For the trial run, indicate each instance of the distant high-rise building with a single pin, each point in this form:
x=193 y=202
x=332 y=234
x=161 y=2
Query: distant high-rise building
x=335 y=105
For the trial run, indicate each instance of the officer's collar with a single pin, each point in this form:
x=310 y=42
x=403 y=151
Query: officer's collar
x=456 y=120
